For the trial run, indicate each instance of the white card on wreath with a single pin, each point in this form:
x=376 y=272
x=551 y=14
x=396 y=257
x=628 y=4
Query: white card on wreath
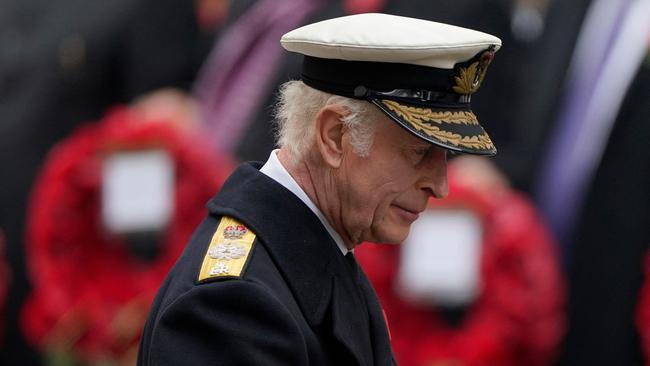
x=137 y=191
x=440 y=259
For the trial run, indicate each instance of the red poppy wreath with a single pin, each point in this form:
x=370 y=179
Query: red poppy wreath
x=90 y=292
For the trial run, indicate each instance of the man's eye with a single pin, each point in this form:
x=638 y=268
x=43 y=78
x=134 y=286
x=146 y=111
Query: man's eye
x=421 y=152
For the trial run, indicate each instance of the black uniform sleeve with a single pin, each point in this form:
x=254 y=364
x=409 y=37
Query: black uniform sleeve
x=235 y=322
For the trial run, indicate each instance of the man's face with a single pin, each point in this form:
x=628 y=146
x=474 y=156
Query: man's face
x=383 y=193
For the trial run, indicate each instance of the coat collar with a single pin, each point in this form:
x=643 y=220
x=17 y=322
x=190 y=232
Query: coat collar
x=287 y=229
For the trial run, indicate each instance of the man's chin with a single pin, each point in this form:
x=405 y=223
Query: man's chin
x=392 y=237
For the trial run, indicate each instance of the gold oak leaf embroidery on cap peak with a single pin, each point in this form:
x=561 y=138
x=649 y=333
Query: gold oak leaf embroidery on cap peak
x=419 y=115
x=480 y=142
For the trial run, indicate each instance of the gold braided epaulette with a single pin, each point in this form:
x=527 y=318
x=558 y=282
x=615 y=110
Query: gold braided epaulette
x=229 y=250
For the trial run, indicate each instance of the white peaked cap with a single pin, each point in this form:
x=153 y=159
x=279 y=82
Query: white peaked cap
x=420 y=73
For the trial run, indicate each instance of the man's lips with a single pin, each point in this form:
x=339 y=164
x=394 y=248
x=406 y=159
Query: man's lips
x=408 y=214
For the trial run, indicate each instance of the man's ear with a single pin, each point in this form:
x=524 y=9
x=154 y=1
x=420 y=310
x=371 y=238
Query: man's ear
x=329 y=134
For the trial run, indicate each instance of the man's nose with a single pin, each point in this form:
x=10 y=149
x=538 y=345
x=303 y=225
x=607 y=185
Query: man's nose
x=434 y=174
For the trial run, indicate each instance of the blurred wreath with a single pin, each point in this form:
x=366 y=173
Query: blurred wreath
x=91 y=293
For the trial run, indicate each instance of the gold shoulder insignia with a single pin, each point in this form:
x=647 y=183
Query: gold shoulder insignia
x=229 y=250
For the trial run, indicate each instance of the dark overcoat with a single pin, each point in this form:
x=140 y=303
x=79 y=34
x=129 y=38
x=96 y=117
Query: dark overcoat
x=297 y=301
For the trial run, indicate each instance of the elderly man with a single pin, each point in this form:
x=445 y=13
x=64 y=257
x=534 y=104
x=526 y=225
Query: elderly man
x=269 y=277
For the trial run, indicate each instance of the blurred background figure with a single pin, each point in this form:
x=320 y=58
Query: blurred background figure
x=643 y=311
x=62 y=63
x=593 y=83
x=487 y=291
x=5 y=281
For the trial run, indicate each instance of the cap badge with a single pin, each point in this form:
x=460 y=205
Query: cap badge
x=469 y=78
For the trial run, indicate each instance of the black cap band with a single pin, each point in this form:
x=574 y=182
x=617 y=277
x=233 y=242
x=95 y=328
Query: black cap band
x=341 y=76
x=369 y=80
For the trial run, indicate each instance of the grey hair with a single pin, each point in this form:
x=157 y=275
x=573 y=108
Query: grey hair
x=296 y=111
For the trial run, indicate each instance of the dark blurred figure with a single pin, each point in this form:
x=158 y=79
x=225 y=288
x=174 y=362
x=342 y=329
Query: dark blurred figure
x=592 y=84
x=63 y=63
x=5 y=280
